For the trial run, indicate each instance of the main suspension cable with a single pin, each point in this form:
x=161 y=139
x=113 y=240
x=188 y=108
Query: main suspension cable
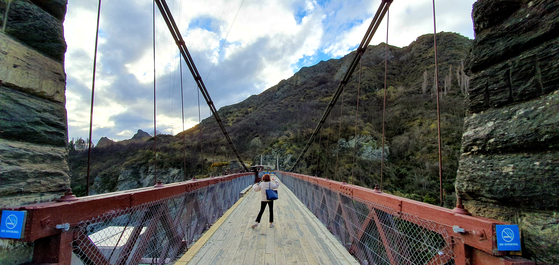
x=169 y=20
x=92 y=96
x=383 y=8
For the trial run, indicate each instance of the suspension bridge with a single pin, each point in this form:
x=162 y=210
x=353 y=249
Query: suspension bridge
x=207 y=221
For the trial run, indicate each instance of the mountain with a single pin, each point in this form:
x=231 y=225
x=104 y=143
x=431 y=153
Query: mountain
x=277 y=123
x=141 y=136
x=104 y=142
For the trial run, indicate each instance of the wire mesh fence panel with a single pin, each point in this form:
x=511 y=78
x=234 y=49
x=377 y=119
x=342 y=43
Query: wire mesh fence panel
x=373 y=233
x=157 y=232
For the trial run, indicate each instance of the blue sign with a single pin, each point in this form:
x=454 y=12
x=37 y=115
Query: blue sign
x=12 y=224
x=508 y=238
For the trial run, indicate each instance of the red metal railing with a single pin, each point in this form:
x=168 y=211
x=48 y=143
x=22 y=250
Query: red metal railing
x=379 y=228
x=148 y=225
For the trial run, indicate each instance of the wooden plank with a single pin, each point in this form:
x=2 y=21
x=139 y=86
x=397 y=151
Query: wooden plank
x=335 y=252
x=237 y=224
x=302 y=232
x=318 y=248
x=297 y=238
x=280 y=239
x=245 y=223
x=191 y=253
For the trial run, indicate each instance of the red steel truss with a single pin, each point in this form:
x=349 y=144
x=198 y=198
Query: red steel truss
x=379 y=228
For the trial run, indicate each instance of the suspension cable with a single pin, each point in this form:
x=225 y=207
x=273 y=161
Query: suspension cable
x=200 y=134
x=182 y=110
x=318 y=157
x=154 y=105
x=356 y=119
x=327 y=149
x=92 y=96
x=384 y=100
x=438 y=107
x=339 y=136
x=383 y=8
x=169 y=20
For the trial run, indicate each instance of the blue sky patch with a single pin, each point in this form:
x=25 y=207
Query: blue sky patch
x=300 y=14
x=323 y=3
x=307 y=60
x=206 y=23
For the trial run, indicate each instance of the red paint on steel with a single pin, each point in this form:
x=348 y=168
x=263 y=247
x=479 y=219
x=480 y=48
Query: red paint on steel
x=482 y=258
x=127 y=250
x=88 y=251
x=148 y=234
x=443 y=257
x=387 y=246
x=154 y=103
x=92 y=98
x=56 y=249
x=68 y=197
x=459 y=209
x=477 y=227
x=384 y=100
x=42 y=218
x=438 y=107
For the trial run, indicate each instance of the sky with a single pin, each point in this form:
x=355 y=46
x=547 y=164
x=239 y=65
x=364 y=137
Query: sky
x=240 y=47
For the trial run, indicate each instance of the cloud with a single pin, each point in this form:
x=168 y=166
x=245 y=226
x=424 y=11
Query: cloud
x=240 y=48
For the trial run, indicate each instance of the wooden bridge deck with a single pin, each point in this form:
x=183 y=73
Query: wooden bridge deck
x=297 y=238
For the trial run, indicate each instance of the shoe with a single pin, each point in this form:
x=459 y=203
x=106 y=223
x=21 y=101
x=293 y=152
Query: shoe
x=254 y=225
x=271 y=225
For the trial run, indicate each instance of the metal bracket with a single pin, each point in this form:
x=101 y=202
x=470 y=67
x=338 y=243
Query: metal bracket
x=458 y=229
x=65 y=226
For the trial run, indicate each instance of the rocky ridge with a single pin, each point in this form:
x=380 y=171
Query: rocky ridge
x=277 y=122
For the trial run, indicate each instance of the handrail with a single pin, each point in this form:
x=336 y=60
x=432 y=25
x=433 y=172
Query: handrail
x=43 y=217
x=361 y=209
x=172 y=215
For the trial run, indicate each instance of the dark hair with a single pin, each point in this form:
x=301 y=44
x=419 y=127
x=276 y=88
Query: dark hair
x=266 y=177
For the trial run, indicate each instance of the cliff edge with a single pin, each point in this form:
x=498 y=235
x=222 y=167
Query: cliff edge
x=509 y=163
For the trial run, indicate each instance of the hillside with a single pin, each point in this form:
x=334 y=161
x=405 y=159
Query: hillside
x=278 y=122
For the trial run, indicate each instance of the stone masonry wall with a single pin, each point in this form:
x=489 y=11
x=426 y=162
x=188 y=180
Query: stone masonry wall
x=33 y=124
x=509 y=167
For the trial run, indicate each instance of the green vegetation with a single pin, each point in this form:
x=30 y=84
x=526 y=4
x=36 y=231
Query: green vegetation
x=279 y=121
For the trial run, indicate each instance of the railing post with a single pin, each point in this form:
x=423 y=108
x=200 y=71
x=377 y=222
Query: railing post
x=461 y=253
x=54 y=249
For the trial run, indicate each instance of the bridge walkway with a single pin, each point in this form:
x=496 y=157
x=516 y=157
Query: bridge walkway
x=297 y=238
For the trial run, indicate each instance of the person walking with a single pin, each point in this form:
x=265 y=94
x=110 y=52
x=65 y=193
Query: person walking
x=262 y=187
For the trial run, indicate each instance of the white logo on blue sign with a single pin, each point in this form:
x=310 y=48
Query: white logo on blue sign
x=11 y=221
x=507 y=234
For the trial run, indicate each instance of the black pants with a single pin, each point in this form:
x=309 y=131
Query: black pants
x=262 y=207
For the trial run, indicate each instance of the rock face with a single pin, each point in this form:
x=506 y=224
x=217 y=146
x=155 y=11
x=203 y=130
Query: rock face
x=509 y=167
x=38 y=24
x=33 y=126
